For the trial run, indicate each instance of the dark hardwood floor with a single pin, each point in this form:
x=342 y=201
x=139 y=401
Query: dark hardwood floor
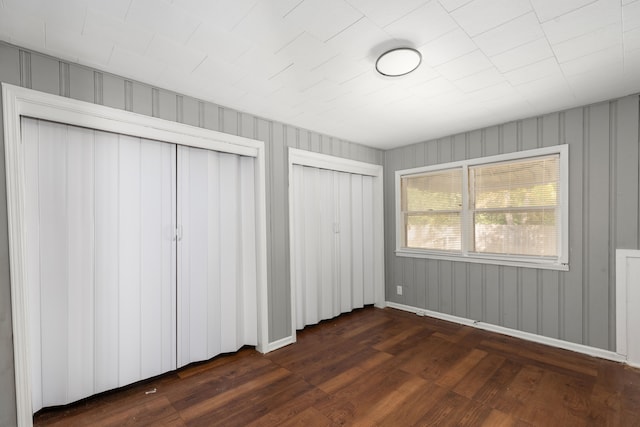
x=378 y=367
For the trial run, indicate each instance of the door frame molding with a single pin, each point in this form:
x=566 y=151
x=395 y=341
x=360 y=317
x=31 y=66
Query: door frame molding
x=340 y=164
x=627 y=319
x=18 y=102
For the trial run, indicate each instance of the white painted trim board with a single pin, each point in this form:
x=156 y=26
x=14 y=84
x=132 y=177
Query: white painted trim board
x=553 y=342
x=627 y=295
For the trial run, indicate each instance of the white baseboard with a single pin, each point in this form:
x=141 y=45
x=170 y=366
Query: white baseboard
x=280 y=343
x=554 y=342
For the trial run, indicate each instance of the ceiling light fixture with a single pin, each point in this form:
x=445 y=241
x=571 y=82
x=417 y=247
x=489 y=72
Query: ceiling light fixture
x=398 y=62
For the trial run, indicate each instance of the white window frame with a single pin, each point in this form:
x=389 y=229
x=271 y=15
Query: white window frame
x=559 y=263
x=18 y=102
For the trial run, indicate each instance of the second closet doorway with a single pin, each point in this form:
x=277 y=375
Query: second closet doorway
x=336 y=236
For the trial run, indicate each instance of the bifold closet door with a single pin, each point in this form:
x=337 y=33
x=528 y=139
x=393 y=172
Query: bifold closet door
x=217 y=309
x=99 y=210
x=332 y=225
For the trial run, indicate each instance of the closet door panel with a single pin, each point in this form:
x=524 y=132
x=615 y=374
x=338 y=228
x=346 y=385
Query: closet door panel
x=310 y=246
x=53 y=263
x=357 y=244
x=248 y=253
x=345 y=244
x=80 y=261
x=157 y=285
x=229 y=260
x=32 y=235
x=107 y=262
x=326 y=228
x=213 y=299
x=298 y=228
x=129 y=253
x=216 y=254
x=197 y=282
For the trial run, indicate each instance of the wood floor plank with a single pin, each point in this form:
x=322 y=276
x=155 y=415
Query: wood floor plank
x=290 y=410
x=207 y=405
x=415 y=407
x=389 y=402
x=377 y=367
x=498 y=419
x=479 y=375
x=459 y=370
x=310 y=417
x=350 y=375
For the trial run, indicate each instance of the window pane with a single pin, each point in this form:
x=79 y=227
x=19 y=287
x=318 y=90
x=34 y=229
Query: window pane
x=435 y=191
x=516 y=233
x=437 y=231
x=519 y=184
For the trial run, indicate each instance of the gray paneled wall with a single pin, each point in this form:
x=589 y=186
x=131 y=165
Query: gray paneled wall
x=576 y=306
x=29 y=69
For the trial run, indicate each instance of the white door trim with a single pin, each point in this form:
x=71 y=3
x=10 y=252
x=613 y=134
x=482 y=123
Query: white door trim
x=18 y=102
x=627 y=319
x=340 y=164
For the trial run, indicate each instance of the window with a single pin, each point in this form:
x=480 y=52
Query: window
x=508 y=209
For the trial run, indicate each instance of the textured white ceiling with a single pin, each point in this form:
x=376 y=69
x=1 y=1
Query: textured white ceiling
x=310 y=63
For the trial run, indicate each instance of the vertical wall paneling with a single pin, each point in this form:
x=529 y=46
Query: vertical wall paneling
x=229 y=121
x=575 y=305
x=190 y=111
x=25 y=68
x=128 y=95
x=626 y=174
x=210 y=116
x=114 y=92
x=10 y=64
x=65 y=79
x=509 y=300
x=45 y=74
x=572 y=288
x=98 y=88
x=598 y=225
x=83 y=87
x=142 y=99
x=459 y=295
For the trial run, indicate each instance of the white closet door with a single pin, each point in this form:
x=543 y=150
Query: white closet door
x=99 y=211
x=332 y=225
x=217 y=309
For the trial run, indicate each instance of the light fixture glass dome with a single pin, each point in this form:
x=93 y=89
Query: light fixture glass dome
x=398 y=62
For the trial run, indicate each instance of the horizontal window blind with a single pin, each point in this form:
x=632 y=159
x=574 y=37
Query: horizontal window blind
x=515 y=206
x=432 y=207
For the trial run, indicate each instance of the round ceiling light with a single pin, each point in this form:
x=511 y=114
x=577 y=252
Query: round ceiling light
x=398 y=62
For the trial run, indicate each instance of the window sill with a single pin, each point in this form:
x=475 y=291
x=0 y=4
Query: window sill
x=478 y=259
